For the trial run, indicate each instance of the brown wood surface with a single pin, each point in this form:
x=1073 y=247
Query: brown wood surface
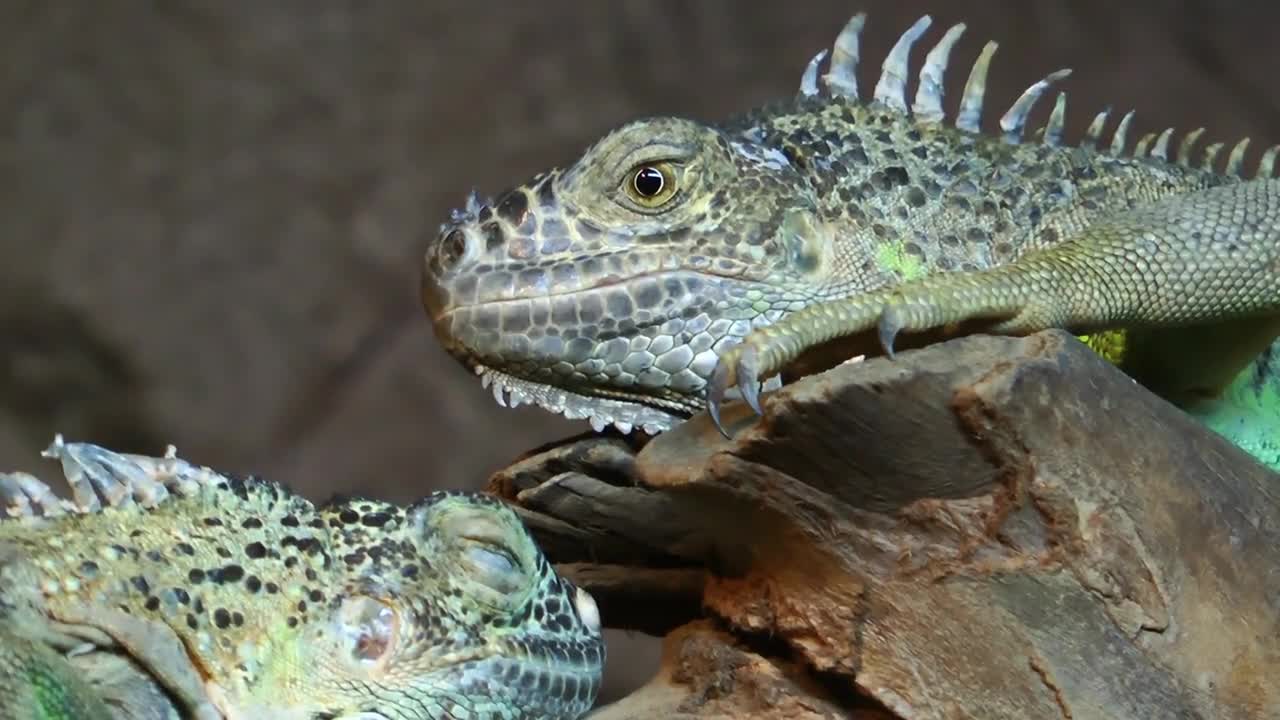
x=988 y=528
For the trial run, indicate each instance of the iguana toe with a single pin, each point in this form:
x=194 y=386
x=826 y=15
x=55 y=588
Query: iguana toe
x=888 y=328
x=748 y=372
x=721 y=378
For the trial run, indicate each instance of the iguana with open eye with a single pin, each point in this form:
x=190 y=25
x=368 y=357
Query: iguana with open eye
x=678 y=261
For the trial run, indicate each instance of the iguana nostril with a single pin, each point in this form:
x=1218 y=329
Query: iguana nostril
x=452 y=249
x=493 y=237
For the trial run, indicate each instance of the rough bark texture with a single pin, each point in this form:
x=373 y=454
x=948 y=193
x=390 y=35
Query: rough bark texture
x=987 y=528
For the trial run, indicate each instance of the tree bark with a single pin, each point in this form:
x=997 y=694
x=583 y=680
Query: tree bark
x=989 y=528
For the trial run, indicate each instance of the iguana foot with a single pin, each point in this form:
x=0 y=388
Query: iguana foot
x=1011 y=302
x=157 y=648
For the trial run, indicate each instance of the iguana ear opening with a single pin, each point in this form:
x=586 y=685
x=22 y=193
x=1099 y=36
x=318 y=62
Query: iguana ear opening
x=369 y=631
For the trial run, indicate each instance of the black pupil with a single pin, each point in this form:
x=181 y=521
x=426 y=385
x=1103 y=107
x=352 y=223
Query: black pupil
x=649 y=182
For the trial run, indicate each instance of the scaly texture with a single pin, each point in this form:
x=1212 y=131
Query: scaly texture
x=676 y=261
x=165 y=591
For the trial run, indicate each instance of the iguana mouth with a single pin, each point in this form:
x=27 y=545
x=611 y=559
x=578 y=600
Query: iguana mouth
x=632 y=353
x=623 y=412
x=626 y=415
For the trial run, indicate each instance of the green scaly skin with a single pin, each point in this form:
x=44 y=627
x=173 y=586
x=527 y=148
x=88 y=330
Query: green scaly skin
x=165 y=591
x=677 y=261
x=1248 y=412
x=37 y=683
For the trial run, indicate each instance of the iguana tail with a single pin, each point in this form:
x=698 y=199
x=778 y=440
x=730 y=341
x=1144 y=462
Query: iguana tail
x=1248 y=413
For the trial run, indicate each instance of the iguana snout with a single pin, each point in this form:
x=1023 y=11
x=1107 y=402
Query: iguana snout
x=607 y=289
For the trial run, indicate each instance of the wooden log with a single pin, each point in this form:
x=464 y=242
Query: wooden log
x=985 y=528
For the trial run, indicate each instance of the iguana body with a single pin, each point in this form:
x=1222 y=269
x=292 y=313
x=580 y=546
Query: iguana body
x=191 y=594
x=623 y=287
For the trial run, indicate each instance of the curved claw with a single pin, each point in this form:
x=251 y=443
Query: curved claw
x=716 y=387
x=888 y=328
x=749 y=378
x=738 y=368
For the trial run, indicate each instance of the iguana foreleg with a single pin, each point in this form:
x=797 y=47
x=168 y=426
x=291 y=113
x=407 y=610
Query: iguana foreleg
x=1178 y=268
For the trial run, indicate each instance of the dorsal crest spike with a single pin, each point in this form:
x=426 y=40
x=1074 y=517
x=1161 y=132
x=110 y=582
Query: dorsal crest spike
x=809 y=80
x=891 y=89
x=1211 y=155
x=1057 y=121
x=1144 y=142
x=970 y=115
x=1015 y=119
x=1161 y=148
x=1267 y=165
x=1122 y=134
x=1235 y=161
x=1094 y=131
x=842 y=76
x=928 y=103
x=1187 y=145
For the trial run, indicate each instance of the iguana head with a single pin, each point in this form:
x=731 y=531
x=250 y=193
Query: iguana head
x=449 y=611
x=606 y=290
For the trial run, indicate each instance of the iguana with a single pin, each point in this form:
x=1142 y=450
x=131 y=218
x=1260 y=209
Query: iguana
x=677 y=261
x=165 y=590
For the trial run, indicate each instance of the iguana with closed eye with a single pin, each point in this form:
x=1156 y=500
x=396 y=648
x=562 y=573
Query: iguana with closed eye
x=164 y=590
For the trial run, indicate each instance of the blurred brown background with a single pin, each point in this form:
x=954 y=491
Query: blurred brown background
x=211 y=213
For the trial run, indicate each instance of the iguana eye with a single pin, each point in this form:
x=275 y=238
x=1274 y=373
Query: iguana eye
x=652 y=185
x=369 y=630
x=486 y=554
x=494 y=567
x=649 y=182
